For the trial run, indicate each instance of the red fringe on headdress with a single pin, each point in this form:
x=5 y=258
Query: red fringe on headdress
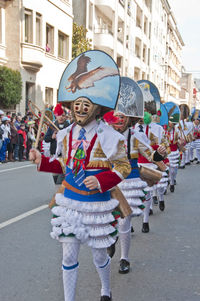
x=110 y=118
x=58 y=111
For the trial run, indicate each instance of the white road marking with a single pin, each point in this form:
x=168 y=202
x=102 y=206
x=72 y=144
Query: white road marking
x=21 y=216
x=10 y=169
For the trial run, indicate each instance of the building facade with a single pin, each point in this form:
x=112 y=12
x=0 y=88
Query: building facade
x=36 y=39
x=140 y=35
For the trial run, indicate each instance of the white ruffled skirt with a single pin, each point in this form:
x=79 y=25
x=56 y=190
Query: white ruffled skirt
x=133 y=190
x=93 y=223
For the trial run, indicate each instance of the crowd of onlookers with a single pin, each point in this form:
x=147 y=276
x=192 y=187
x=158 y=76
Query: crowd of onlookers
x=18 y=134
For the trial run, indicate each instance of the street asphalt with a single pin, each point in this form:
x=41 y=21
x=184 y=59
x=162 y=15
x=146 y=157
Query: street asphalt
x=164 y=262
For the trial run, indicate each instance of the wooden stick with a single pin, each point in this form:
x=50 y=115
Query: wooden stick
x=39 y=128
x=124 y=206
x=45 y=117
x=182 y=131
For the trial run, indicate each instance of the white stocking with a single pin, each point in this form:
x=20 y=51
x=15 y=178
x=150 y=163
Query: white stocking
x=183 y=159
x=172 y=175
x=125 y=236
x=160 y=192
x=102 y=262
x=147 y=205
x=70 y=268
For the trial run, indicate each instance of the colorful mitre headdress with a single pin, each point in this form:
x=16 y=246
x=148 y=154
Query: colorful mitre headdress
x=93 y=75
x=151 y=97
x=184 y=111
x=164 y=115
x=195 y=114
x=130 y=101
x=173 y=111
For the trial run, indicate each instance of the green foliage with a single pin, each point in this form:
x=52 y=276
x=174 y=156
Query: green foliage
x=10 y=87
x=79 y=41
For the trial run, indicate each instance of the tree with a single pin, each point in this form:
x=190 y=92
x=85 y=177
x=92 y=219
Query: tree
x=10 y=87
x=79 y=41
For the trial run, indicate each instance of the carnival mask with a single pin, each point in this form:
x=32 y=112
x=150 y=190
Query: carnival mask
x=122 y=124
x=84 y=111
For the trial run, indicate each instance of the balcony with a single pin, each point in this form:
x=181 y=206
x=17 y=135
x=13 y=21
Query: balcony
x=106 y=7
x=103 y=39
x=32 y=57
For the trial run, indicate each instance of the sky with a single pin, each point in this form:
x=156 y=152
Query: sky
x=187 y=15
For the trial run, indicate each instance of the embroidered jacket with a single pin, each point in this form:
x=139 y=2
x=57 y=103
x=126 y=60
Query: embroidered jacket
x=104 y=148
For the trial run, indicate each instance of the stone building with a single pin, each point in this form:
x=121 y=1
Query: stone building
x=36 y=39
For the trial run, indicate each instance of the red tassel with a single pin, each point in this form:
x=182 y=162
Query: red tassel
x=58 y=111
x=110 y=118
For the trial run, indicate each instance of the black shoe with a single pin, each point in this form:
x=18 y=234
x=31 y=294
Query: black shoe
x=111 y=249
x=182 y=167
x=132 y=229
x=162 y=205
x=106 y=298
x=155 y=200
x=145 y=227
x=197 y=162
x=124 y=267
x=191 y=161
x=150 y=212
x=172 y=188
x=174 y=182
x=188 y=163
x=195 y=159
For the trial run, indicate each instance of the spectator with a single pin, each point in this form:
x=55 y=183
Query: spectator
x=5 y=126
x=18 y=121
x=61 y=123
x=30 y=137
x=25 y=119
x=22 y=141
x=14 y=141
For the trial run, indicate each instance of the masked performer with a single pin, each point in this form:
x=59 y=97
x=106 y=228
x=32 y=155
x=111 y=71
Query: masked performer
x=94 y=160
x=155 y=133
x=195 y=144
x=173 y=135
x=129 y=109
x=186 y=129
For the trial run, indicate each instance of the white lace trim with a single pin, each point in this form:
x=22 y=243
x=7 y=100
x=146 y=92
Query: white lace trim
x=86 y=206
x=133 y=193
x=128 y=184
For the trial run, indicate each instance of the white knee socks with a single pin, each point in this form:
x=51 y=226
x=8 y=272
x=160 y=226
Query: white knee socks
x=102 y=263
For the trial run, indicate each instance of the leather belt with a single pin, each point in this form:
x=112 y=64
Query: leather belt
x=82 y=192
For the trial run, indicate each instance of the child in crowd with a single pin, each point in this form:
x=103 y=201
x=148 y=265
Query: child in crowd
x=22 y=141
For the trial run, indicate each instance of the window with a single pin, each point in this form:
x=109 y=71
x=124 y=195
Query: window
x=49 y=96
x=63 y=45
x=38 y=32
x=28 y=26
x=49 y=39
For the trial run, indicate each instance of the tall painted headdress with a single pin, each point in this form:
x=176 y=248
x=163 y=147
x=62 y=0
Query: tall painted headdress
x=130 y=101
x=195 y=114
x=151 y=96
x=164 y=115
x=93 y=75
x=184 y=111
x=173 y=111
